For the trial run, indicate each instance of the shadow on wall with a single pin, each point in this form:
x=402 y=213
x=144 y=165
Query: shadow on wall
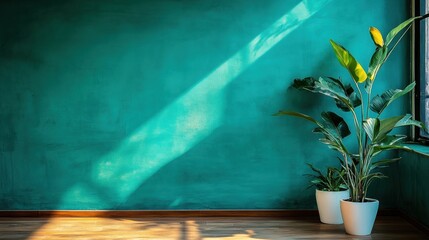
x=210 y=177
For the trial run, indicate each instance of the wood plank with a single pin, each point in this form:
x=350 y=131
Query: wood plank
x=414 y=222
x=386 y=227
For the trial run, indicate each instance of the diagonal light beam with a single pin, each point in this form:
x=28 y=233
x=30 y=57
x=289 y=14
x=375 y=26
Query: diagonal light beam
x=190 y=118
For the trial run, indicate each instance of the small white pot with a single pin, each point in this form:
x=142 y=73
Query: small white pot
x=328 y=204
x=359 y=217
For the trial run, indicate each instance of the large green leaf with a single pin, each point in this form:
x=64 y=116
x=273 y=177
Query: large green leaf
x=389 y=140
x=386 y=126
x=335 y=124
x=347 y=60
x=379 y=103
x=296 y=114
x=371 y=127
x=392 y=139
x=370 y=176
x=321 y=85
x=353 y=98
x=407 y=120
x=383 y=163
x=328 y=88
x=377 y=129
x=332 y=126
x=377 y=60
x=344 y=95
x=368 y=86
x=391 y=35
x=381 y=148
x=333 y=143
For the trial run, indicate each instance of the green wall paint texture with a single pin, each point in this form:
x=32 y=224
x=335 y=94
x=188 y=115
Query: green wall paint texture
x=413 y=190
x=167 y=104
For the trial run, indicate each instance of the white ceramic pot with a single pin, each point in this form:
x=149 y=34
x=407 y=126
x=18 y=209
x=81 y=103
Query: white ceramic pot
x=359 y=217
x=328 y=204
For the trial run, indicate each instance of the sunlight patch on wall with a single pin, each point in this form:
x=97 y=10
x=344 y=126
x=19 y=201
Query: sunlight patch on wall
x=190 y=118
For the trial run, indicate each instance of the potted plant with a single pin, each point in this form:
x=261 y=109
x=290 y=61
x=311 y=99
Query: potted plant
x=373 y=133
x=330 y=189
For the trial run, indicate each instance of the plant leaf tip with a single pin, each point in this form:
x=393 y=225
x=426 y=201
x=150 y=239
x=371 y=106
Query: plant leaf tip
x=376 y=36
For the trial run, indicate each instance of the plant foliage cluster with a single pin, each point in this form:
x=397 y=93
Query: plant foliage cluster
x=373 y=133
x=332 y=181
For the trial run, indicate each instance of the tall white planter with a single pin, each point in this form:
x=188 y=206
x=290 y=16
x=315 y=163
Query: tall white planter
x=359 y=217
x=328 y=204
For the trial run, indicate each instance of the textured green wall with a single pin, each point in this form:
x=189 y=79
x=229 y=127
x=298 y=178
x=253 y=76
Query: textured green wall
x=413 y=190
x=166 y=104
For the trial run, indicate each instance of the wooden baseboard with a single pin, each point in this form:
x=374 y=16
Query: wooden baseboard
x=289 y=213
x=159 y=213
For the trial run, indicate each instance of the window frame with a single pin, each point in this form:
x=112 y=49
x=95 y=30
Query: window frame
x=417 y=45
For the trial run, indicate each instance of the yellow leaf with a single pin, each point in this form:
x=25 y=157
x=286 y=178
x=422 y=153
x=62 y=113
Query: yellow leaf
x=349 y=62
x=376 y=36
x=360 y=73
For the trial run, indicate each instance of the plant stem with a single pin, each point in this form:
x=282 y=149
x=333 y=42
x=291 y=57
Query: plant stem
x=352 y=186
x=366 y=152
x=359 y=124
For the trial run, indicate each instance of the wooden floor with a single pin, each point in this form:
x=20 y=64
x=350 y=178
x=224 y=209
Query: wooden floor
x=388 y=227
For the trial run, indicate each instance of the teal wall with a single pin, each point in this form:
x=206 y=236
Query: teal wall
x=413 y=190
x=167 y=104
